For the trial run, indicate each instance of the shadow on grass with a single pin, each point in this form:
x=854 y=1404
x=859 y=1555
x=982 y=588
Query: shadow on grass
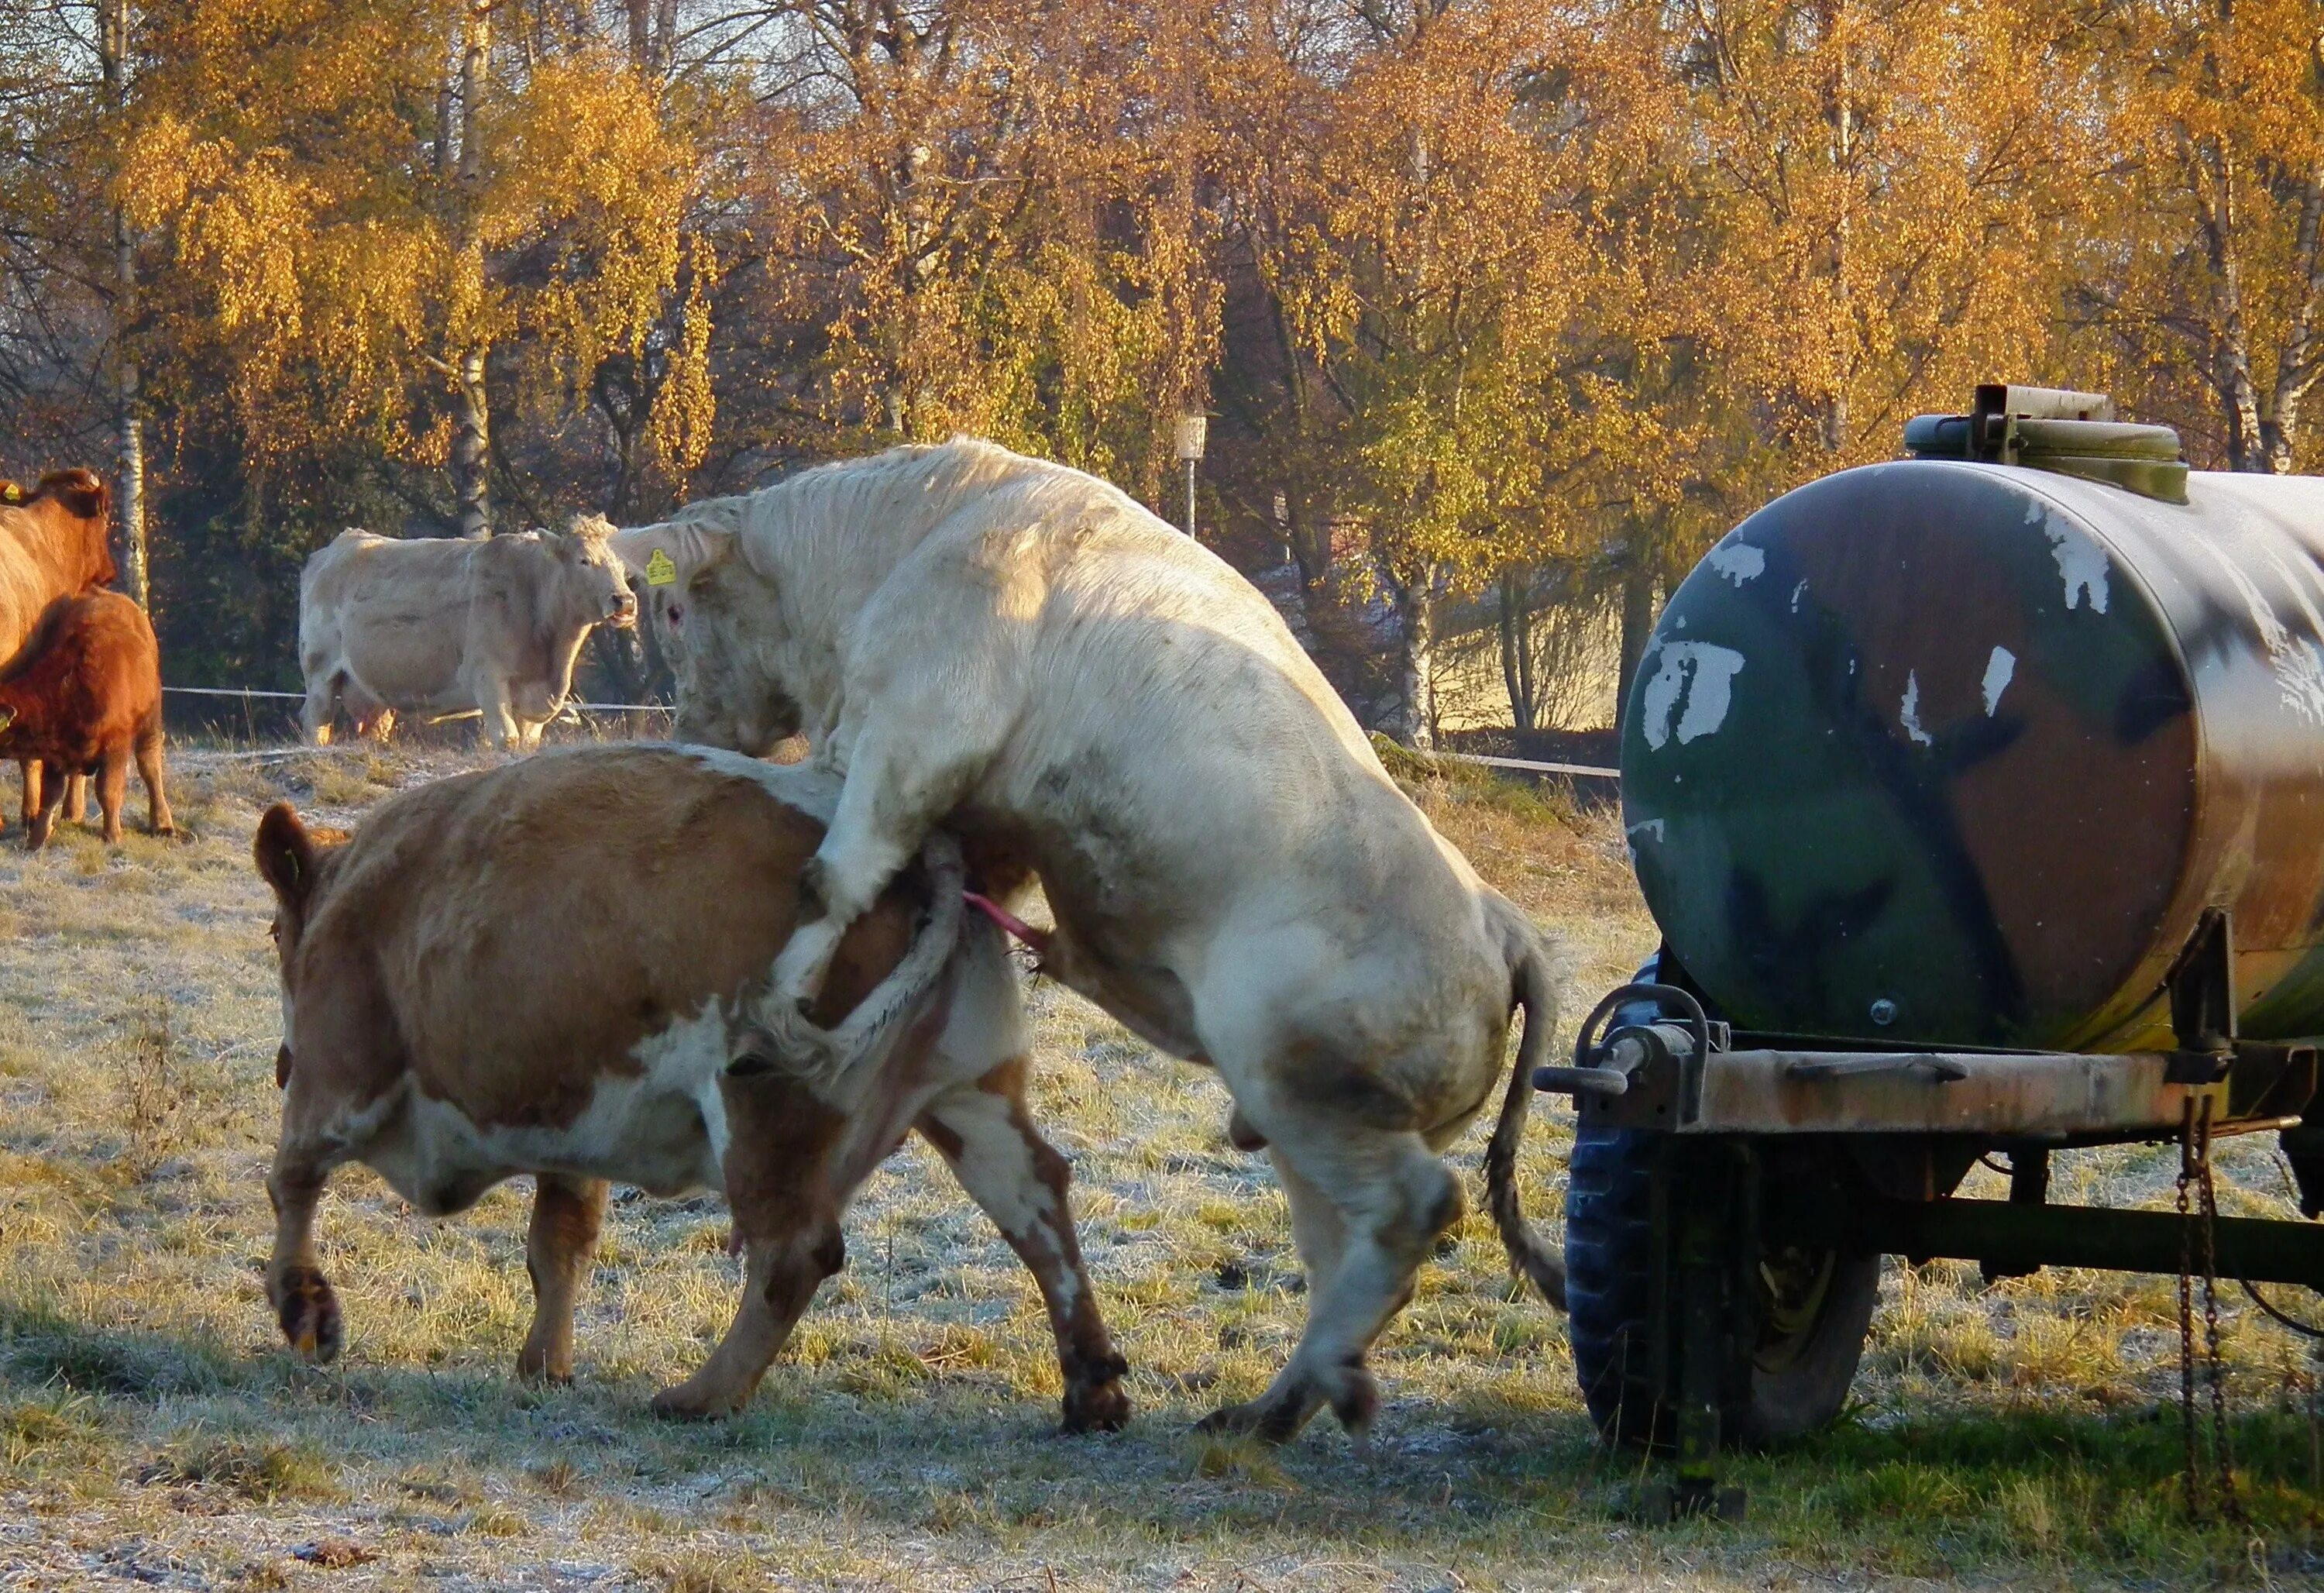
x=1963 y=1492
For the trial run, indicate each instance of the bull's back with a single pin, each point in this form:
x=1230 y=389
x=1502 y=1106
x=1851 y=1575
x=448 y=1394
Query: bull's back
x=535 y=929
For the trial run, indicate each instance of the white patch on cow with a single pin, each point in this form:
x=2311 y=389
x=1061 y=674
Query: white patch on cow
x=1910 y=717
x=1652 y=828
x=1689 y=691
x=663 y=1130
x=2082 y=562
x=1999 y=669
x=1797 y=593
x=1738 y=562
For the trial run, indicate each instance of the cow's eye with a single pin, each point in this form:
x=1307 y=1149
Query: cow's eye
x=677 y=615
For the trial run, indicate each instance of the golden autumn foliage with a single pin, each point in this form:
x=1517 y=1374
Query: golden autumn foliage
x=1509 y=301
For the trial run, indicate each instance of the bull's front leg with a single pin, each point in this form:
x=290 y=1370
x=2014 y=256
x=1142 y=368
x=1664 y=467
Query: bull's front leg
x=985 y=1135
x=567 y=1215
x=897 y=787
x=498 y=724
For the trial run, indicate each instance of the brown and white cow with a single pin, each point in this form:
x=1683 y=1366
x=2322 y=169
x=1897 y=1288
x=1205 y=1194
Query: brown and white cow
x=548 y=968
x=442 y=627
x=84 y=699
x=53 y=544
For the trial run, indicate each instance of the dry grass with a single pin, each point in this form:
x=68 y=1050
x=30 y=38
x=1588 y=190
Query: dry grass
x=152 y=1429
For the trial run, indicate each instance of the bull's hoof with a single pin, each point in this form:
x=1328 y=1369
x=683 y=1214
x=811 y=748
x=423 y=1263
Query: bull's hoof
x=688 y=1403
x=1096 y=1407
x=1268 y=1421
x=308 y=1309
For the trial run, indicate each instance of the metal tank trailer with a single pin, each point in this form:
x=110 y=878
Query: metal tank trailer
x=1979 y=799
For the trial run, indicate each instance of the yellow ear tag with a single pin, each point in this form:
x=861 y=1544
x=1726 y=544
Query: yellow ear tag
x=660 y=570
x=13 y=493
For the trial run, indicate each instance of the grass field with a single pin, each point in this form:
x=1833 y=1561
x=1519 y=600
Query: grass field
x=153 y=1430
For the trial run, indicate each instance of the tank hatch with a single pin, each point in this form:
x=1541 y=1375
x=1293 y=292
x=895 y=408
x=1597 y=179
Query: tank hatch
x=2056 y=429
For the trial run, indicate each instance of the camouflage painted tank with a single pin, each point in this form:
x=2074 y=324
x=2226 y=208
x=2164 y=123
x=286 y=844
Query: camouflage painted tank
x=1955 y=752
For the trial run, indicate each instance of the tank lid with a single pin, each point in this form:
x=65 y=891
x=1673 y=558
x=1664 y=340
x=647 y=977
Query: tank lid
x=2056 y=429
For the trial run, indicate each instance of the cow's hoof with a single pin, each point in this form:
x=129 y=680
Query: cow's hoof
x=1096 y=1407
x=686 y=1403
x=308 y=1309
x=1268 y=1421
x=536 y=1365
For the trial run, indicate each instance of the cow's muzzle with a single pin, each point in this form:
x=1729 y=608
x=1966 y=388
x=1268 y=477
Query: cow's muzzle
x=623 y=614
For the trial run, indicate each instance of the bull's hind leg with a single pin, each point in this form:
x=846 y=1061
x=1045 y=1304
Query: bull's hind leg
x=984 y=1134
x=566 y=1214
x=1378 y=1200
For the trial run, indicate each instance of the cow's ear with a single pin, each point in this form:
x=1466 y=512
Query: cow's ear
x=671 y=554
x=286 y=855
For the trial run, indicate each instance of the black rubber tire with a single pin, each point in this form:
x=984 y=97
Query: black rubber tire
x=1792 y=1387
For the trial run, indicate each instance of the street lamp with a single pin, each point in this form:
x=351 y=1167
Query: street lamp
x=1193 y=429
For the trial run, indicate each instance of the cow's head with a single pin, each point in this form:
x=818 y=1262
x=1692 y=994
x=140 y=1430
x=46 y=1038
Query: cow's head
x=719 y=625
x=291 y=859
x=597 y=571
x=77 y=511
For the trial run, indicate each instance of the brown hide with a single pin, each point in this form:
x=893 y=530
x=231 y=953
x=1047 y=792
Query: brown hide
x=509 y=936
x=52 y=545
x=93 y=682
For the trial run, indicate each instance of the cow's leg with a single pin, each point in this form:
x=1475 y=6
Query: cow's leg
x=158 y=818
x=29 y=768
x=44 y=822
x=567 y=1213
x=112 y=789
x=76 y=800
x=782 y=1186
x=1388 y=1197
x=305 y=1305
x=322 y=703
x=984 y=1134
x=377 y=725
x=498 y=724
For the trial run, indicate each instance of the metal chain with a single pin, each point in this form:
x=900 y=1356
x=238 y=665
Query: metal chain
x=2193 y=1473
x=2195 y=1173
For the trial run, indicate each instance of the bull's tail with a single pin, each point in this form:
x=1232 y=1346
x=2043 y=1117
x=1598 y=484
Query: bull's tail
x=1534 y=990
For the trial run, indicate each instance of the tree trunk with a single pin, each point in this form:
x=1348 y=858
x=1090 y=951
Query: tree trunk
x=1516 y=648
x=641 y=34
x=1415 y=612
x=129 y=426
x=1637 y=627
x=472 y=423
x=472 y=438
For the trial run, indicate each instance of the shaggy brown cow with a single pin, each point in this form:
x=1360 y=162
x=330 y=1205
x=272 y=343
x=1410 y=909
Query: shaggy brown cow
x=549 y=969
x=84 y=700
x=52 y=544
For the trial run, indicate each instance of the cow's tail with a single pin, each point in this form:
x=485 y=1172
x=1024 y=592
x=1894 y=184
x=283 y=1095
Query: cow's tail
x=1533 y=990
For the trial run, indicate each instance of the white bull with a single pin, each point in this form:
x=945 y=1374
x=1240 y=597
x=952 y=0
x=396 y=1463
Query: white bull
x=1022 y=649
x=441 y=628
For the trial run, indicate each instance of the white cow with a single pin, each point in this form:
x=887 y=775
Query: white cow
x=443 y=628
x=1022 y=650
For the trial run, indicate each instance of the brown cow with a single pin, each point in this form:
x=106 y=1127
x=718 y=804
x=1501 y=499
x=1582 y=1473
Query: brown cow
x=84 y=699
x=53 y=544
x=549 y=969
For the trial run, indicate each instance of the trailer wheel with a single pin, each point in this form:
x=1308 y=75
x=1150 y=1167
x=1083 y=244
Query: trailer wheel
x=1809 y=1312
